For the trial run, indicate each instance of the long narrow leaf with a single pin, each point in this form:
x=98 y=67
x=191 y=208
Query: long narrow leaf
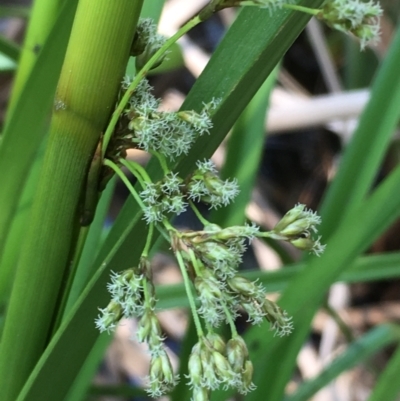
x=243 y=154
x=364 y=269
x=364 y=154
x=34 y=105
x=9 y=48
x=388 y=385
x=357 y=352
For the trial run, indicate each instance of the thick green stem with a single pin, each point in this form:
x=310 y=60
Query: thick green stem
x=94 y=65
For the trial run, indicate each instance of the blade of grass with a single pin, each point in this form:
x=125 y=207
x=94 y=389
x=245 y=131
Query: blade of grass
x=357 y=352
x=43 y=16
x=364 y=154
x=17 y=231
x=388 y=386
x=16 y=145
x=243 y=154
x=15 y=11
x=80 y=386
x=91 y=247
x=304 y=294
x=363 y=269
x=9 y=48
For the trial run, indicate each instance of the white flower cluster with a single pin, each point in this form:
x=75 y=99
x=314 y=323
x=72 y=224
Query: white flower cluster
x=163 y=197
x=356 y=16
x=171 y=134
x=126 y=291
x=214 y=364
x=171 y=194
x=296 y=227
x=133 y=295
x=216 y=254
x=146 y=43
x=206 y=186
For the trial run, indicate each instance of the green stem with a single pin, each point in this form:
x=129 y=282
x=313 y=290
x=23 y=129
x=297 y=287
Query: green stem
x=170 y=227
x=162 y=161
x=310 y=11
x=163 y=232
x=230 y=320
x=147 y=246
x=125 y=180
x=203 y=221
x=140 y=75
x=136 y=170
x=75 y=263
x=344 y=328
x=195 y=262
x=189 y=294
x=138 y=167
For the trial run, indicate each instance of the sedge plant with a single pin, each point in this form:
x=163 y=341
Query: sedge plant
x=86 y=147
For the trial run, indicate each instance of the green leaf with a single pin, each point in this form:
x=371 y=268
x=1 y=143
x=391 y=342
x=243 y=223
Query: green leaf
x=15 y=11
x=364 y=269
x=16 y=144
x=243 y=154
x=357 y=352
x=9 y=49
x=370 y=141
x=388 y=386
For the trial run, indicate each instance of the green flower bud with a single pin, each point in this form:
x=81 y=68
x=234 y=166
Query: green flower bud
x=161 y=376
x=247 y=376
x=195 y=369
x=309 y=244
x=111 y=315
x=149 y=329
x=200 y=394
x=237 y=353
x=222 y=367
x=208 y=288
x=291 y=216
x=242 y=286
x=216 y=341
x=279 y=319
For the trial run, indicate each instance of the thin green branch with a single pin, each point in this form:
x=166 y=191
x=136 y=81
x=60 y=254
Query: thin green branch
x=189 y=294
x=125 y=180
x=137 y=170
x=196 y=211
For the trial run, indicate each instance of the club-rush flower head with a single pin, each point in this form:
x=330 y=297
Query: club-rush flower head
x=361 y=18
x=298 y=226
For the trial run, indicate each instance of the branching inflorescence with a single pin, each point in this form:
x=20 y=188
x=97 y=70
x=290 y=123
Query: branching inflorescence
x=209 y=259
